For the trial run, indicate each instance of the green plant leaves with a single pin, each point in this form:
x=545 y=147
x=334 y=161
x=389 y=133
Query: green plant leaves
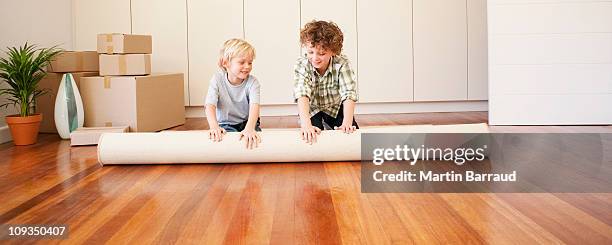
x=22 y=69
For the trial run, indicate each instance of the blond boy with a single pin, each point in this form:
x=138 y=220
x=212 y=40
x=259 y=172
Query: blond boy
x=232 y=102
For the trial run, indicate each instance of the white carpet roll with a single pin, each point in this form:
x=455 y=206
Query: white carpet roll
x=278 y=145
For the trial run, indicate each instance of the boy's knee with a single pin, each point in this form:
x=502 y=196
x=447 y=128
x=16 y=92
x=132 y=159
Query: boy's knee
x=317 y=122
x=228 y=128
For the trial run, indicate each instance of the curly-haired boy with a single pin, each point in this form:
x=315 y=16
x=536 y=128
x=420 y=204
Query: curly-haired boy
x=325 y=87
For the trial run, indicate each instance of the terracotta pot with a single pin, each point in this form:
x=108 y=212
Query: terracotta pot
x=24 y=129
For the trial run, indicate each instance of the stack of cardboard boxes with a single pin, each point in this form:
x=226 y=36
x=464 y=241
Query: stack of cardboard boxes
x=124 y=97
x=80 y=64
x=126 y=93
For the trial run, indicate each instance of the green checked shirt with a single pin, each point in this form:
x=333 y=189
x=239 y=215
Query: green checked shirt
x=326 y=92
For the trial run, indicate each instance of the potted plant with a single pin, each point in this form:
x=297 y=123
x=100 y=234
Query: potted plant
x=21 y=70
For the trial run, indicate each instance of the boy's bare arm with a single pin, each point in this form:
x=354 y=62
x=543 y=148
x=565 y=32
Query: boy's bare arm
x=215 y=132
x=349 y=112
x=249 y=134
x=308 y=132
x=253 y=116
x=211 y=116
x=304 y=110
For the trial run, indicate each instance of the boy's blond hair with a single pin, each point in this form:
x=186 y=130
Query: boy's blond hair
x=234 y=48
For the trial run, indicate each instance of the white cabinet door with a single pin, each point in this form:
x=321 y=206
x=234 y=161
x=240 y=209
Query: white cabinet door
x=440 y=50
x=166 y=22
x=477 y=49
x=275 y=36
x=92 y=17
x=385 y=50
x=210 y=23
x=343 y=13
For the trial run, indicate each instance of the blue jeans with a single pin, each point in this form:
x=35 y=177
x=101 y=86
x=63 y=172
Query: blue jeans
x=238 y=127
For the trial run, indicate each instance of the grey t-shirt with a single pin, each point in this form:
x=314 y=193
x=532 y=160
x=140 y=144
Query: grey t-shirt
x=232 y=102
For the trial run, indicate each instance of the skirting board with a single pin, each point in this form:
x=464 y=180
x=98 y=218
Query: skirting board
x=369 y=108
x=5 y=134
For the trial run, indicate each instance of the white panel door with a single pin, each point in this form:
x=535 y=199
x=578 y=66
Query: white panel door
x=343 y=13
x=92 y=17
x=550 y=62
x=385 y=50
x=275 y=36
x=210 y=23
x=166 y=22
x=440 y=50
x=477 y=49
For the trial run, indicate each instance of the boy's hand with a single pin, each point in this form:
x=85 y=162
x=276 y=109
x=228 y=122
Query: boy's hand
x=251 y=137
x=347 y=128
x=309 y=133
x=216 y=133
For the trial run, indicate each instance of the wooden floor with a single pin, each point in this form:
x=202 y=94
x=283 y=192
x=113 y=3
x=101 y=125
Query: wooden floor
x=305 y=203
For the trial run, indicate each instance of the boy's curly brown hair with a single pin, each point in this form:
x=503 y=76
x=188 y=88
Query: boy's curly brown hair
x=326 y=34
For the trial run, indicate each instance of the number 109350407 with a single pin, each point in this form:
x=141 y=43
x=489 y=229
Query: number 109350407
x=10 y=231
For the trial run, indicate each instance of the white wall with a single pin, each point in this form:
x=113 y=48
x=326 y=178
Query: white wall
x=92 y=17
x=377 y=42
x=477 y=50
x=276 y=53
x=169 y=34
x=45 y=23
x=550 y=62
x=423 y=50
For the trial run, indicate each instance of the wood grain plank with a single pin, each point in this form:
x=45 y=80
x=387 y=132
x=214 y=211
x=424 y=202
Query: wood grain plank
x=288 y=203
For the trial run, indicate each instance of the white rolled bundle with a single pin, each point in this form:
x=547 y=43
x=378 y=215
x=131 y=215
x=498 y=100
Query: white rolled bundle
x=278 y=145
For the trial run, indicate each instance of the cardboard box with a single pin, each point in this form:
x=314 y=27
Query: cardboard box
x=125 y=64
x=75 y=61
x=117 y=43
x=145 y=103
x=45 y=104
x=91 y=136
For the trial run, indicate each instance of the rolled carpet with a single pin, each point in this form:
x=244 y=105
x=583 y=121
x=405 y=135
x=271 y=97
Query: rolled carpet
x=278 y=145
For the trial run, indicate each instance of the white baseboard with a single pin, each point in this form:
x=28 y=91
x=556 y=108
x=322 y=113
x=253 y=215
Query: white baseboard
x=369 y=108
x=365 y=108
x=5 y=134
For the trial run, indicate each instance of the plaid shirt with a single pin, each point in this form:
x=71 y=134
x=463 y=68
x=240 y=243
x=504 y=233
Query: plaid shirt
x=326 y=92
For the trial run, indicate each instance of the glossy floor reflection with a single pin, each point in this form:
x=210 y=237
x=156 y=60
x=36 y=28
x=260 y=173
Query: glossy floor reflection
x=287 y=203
